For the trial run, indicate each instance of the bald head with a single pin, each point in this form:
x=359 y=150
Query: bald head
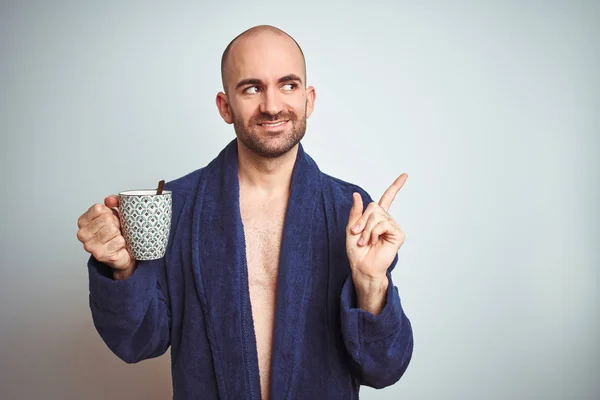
x=244 y=42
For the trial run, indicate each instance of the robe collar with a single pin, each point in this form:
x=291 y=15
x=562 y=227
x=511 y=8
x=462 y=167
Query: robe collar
x=221 y=274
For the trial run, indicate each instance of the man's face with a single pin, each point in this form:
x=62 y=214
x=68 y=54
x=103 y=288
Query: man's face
x=267 y=101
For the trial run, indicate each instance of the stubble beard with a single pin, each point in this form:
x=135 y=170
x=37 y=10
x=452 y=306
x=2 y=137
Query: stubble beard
x=274 y=144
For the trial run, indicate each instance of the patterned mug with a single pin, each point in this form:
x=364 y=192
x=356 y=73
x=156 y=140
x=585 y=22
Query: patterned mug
x=145 y=222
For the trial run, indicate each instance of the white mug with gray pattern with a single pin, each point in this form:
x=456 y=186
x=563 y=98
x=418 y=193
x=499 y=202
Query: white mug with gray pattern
x=145 y=222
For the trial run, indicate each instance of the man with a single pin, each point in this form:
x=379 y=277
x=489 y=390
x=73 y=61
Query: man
x=276 y=283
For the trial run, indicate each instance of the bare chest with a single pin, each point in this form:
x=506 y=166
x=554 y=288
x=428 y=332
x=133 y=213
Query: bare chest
x=263 y=229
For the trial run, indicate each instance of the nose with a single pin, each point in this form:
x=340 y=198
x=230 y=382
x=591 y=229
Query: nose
x=271 y=103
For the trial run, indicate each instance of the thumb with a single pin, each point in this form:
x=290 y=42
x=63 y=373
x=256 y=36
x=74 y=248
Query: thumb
x=357 y=209
x=112 y=201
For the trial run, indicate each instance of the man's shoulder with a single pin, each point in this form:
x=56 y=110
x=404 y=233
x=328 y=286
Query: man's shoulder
x=185 y=183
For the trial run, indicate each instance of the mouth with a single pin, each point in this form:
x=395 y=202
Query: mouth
x=273 y=124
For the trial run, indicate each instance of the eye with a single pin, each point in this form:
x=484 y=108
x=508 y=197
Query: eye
x=290 y=86
x=251 y=90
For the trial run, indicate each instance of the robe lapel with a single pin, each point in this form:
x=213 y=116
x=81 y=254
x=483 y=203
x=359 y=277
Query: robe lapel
x=221 y=276
x=294 y=275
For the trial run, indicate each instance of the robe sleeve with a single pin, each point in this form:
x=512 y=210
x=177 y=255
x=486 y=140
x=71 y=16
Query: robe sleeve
x=132 y=316
x=380 y=347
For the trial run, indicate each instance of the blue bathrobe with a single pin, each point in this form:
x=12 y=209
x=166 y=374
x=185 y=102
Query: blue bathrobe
x=196 y=298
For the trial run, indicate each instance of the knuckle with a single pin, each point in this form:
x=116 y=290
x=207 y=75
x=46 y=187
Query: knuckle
x=113 y=229
x=371 y=220
x=106 y=219
x=116 y=244
x=102 y=236
x=97 y=208
x=112 y=257
x=87 y=246
x=109 y=231
x=120 y=241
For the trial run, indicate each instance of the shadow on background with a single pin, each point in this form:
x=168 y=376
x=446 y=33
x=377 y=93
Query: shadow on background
x=63 y=357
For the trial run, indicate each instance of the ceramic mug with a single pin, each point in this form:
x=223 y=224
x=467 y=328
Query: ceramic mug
x=145 y=222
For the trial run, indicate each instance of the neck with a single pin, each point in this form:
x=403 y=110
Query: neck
x=266 y=176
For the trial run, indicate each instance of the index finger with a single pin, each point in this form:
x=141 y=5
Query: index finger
x=390 y=194
x=92 y=213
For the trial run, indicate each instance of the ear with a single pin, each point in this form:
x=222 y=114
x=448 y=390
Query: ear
x=311 y=95
x=223 y=107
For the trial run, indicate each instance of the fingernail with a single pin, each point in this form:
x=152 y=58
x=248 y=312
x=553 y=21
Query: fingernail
x=356 y=227
x=360 y=241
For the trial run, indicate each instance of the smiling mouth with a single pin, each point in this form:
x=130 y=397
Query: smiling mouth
x=272 y=124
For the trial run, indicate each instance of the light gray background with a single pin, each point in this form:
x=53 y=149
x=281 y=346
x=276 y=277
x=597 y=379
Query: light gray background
x=492 y=108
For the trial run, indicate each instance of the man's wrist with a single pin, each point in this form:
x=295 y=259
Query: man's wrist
x=123 y=274
x=371 y=292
